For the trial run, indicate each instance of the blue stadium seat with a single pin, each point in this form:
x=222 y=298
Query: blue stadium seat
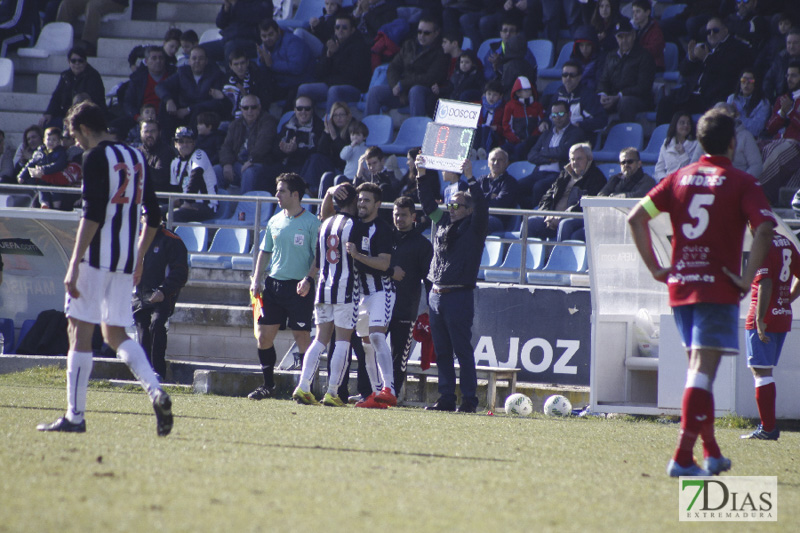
x=542 y=50
x=520 y=169
x=480 y=167
x=410 y=14
x=466 y=44
x=315 y=45
x=609 y=169
x=227 y=241
x=26 y=327
x=249 y=210
x=410 y=134
x=380 y=129
x=555 y=70
x=671 y=72
x=513 y=259
x=194 y=237
x=378 y=78
x=672 y=10
x=225 y=209
x=492 y=255
x=650 y=154
x=620 y=136
x=305 y=10
x=284 y=119
x=483 y=49
x=7 y=329
x=565 y=258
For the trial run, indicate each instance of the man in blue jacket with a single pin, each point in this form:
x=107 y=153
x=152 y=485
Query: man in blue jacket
x=285 y=58
x=457 y=249
x=583 y=104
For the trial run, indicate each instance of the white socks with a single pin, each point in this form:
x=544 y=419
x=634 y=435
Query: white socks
x=341 y=350
x=79 y=368
x=310 y=364
x=133 y=354
x=383 y=355
x=765 y=380
x=696 y=380
x=371 y=366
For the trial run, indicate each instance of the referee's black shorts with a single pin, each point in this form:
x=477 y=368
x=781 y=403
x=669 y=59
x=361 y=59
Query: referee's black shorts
x=282 y=305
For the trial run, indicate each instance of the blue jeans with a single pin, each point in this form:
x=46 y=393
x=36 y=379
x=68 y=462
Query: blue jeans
x=571 y=229
x=381 y=96
x=537 y=228
x=249 y=180
x=451 y=318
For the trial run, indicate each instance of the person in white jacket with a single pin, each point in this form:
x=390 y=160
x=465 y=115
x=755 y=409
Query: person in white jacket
x=679 y=146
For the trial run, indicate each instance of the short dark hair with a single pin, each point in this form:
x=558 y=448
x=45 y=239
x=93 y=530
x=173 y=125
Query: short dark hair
x=294 y=182
x=191 y=36
x=644 y=5
x=153 y=49
x=574 y=63
x=210 y=119
x=374 y=151
x=266 y=24
x=53 y=129
x=87 y=114
x=371 y=188
x=453 y=35
x=342 y=15
x=510 y=20
x=414 y=152
x=236 y=53
x=494 y=86
x=715 y=129
x=351 y=197
x=405 y=202
x=173 y=34
x=794 y=63
x=78 y=51
x=356 y=126
x=147 y=122
x=562 y=103
x=146 y=106
x=427 y=17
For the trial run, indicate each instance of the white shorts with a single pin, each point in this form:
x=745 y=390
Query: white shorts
x=105 y=297
x=342 y=315
x=375 y=310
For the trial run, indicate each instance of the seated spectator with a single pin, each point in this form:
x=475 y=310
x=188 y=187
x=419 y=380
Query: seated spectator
x=209 y=137
x=336 y=136
x=285 y=58
x=522 y=119
x=626 y=83
x=451 y=46
x=420 y=63
x=32 y=138
x=782 y=155
x=679 y=146
x=753 y=107
x=238 y=21
x=631 y=182
x=343 y=70
x=587 y=53
x=372 y=169
x=158 y=154
x=604 y=20
x=143 y=81
x=93 y=10
x=585 y=109
x=648 y=32
x=49 y=166
x=490 y=123
x=747 y=25
x=248 y=148
x=147 y=112
x=775 y=83
x=747 y=156
x=466 y=82
x=323 y=27
x=408 y=185
x=779 y=26
x=499 y=188
x=514 y=65
x=710 y=71
x=371 y=15
x=6 y=160
x=80 y=77
x=244 y=77
x=19 y=22
x=192 y=90
x=352 y=152
x=172 y=43
x=580 y=177
x=192 y=173
x=549 y=154
x=496 y=57
x=189 y=40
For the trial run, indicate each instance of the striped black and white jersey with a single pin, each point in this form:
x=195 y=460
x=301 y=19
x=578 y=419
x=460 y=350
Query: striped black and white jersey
x=115 y=185
x=338 y=283
x=376 y=240
x=194 y=175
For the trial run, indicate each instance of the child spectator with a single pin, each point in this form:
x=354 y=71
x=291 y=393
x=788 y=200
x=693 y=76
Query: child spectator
x=209 y=138
x=323 y=27
x=466 y=81
x=47 y=166
x=522 y=116
x=490 y=123
x=351 y=153
x=172 y=41
x=451 y=44
x=189 y=40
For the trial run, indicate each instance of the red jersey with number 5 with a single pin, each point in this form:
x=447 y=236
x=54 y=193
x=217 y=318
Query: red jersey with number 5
x=781 y=266
x=709 y=203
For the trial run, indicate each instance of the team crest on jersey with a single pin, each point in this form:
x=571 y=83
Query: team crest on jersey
x=299 y=239
x=365 y=244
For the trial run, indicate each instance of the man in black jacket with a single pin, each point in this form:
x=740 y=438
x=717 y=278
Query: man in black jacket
x=457 y=249
x=343 y=70
x=157 y=153
x=80 y=77
x=165 y=272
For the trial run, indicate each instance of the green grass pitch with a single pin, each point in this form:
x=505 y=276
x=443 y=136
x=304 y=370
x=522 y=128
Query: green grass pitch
x=233 y=465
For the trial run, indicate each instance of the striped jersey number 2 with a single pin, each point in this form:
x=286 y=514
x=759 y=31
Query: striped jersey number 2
x=124 y=174
x=698 y=211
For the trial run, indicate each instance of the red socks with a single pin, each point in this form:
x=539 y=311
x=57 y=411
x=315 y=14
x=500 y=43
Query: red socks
x=765 y=398
x=697 y=419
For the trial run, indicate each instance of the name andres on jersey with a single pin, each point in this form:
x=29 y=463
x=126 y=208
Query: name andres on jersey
x=702 y=180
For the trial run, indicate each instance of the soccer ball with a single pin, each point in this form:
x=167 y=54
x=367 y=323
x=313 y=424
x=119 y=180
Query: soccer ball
x=519 y=405
x=557 y=405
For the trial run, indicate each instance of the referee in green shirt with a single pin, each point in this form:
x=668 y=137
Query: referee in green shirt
x=287 y=255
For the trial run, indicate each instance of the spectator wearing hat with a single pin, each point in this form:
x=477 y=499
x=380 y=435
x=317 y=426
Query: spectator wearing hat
x=192 y=173
x=626 y=82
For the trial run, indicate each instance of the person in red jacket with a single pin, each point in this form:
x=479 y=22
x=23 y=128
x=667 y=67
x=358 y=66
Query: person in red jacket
x=522 y=119
x=648 y=32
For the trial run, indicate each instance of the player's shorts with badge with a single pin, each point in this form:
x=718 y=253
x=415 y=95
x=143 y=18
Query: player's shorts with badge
x=282 y=305
x=342 y=315
x=105 y=297
x=711 y=326
x=374 y=310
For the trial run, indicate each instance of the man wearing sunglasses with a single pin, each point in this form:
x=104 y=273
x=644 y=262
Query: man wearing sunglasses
x=420 y=64
x=248 y=146
x=714 y=66
x=585 y=109
x=457 y=248
x=80 y=77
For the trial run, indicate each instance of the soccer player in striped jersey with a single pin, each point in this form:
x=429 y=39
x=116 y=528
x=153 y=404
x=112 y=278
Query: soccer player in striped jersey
x=336 y=303
x=106 y=263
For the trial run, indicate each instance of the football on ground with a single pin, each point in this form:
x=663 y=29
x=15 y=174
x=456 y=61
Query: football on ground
x=519 y=405
x=557 y=405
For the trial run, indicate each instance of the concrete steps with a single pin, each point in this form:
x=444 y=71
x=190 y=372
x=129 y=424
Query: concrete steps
x=23 y=102
x=121 y=47
x=14 y=123
x=155 y=29
x=106 y=66
x=184 y=12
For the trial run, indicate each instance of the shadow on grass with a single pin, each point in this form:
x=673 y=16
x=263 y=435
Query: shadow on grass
x=100 y=411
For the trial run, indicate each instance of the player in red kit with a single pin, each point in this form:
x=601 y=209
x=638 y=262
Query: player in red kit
x=775 y=287
x=710 y=204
